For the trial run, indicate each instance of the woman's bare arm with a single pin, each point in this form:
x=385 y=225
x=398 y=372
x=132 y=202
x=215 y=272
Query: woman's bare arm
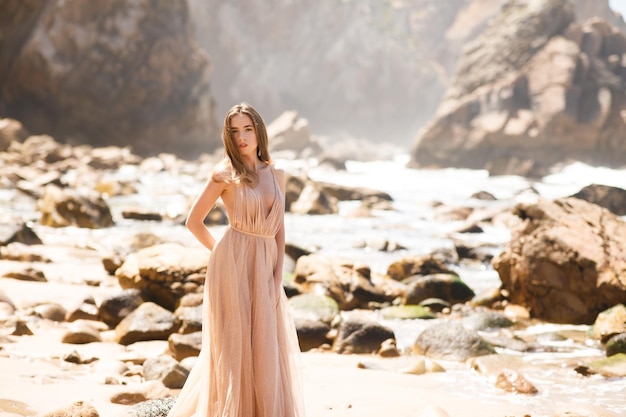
x=199 y=210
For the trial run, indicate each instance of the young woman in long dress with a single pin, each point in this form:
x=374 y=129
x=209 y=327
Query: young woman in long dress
x=248 y=364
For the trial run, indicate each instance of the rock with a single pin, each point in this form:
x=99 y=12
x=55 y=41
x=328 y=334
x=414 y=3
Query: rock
x=449 y=340
x=417 y=265
x=18 y=232
x=406 y=312
x=185 y=345
x=289 y=131
x=141 y=214
x=312 y=333
x=613 y=366
x=484 y=196
x=157 y=407
x=487 y=320
x=21 y=329
x=11 y=131
x=22 y=253
x=137 y=393
x=148 y=322
x=65 y=207
x=564 y=263
x=51 y=311
x=190 y=318
x=616 y=345
x=44 y=148
x=81 y=332
x=314 y=307
x=448 y=287
x=111 y=157
x=26 y=274
x=475 y=251
x=512 y=381
x=535 y=89
x=436 y=305
x=611 y=198
x=358 y=335
x=7 y=306
x=388 y=349
x=167 y=370
x=87 y=310
x=78 y=409
x=348 y=284
x=609 y=323
x=75 y=357
x=115 y=307
x=495 y=364
x=345 y=193
x=164 y=273
x=142 y=83
x=421 y=366
x=314 y=200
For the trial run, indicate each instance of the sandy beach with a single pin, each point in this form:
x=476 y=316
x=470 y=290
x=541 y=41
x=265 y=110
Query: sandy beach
x=34 y=379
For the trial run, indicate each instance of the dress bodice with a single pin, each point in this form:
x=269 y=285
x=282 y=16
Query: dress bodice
x=249 y=214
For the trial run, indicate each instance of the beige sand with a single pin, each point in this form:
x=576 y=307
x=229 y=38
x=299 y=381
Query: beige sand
x=32 y=377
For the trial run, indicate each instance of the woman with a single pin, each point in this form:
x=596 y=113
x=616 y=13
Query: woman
x=247 y=365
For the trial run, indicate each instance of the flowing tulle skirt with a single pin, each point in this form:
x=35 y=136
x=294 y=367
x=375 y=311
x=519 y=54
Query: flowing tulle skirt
x=248 y=365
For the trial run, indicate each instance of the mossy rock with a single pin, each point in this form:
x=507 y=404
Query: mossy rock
x=314 y=307
x=407 y=312
x=613 y=366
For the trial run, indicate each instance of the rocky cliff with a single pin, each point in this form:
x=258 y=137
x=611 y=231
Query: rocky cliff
x=131 y=71
x=534 y=89
x=125 y=72
x=375 y=68
x=371 y=68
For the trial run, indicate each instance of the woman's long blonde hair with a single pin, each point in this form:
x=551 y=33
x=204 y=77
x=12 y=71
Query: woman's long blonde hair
x=232 y=166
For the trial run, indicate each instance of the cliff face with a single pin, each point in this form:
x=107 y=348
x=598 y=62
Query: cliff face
x=108 y=72
x=536 y=86
x=137 y=72
x=373 y=68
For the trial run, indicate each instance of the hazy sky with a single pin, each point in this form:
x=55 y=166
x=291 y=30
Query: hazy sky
x=619 y=5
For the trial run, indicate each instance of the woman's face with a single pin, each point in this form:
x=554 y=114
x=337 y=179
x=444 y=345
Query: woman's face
x=244 y=135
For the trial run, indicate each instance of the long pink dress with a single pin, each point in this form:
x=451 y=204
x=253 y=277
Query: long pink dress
x=248 y=365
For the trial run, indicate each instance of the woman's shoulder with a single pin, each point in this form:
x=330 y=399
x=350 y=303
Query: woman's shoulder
x=223 y=172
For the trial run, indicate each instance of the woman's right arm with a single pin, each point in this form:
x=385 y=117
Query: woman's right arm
x=199 y=210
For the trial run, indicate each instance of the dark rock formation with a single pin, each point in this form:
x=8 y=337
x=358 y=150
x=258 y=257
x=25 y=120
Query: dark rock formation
x=611 y=198
x=113 y=72
x=535 y=86
x=565 y=262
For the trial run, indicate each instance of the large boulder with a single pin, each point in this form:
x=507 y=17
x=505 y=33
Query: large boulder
x=346 y=283
x=611 y=198
x=535 y=89
x=116 y=72
x=565 y=262
x=62 y=207
x=165 y=273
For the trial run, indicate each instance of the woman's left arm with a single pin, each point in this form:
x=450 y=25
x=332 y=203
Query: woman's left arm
x=280 y=241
